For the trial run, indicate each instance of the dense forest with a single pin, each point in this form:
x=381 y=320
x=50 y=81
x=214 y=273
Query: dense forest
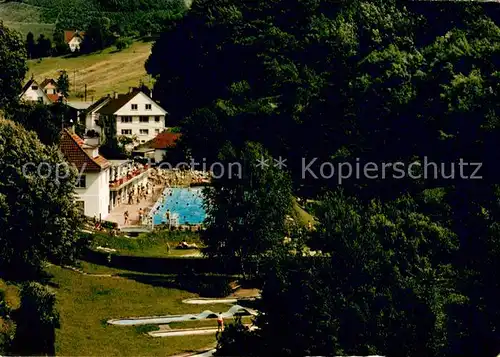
x=126 y=17
x=406 y=264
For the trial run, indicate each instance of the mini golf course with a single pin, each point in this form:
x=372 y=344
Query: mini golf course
x=206 y=301
x=234 y=311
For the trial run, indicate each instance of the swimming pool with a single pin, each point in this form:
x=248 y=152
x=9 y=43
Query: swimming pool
x=187 y=203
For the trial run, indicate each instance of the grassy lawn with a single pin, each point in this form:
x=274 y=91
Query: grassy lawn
x=104 y=72
x=149 y=244
x=86 y=302
x=35 y=28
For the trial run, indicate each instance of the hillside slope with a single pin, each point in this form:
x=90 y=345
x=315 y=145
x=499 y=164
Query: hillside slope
x=24 y=18
x=19 y=12
x=103 y=72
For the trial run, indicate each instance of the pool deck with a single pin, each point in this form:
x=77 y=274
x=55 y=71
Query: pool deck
x=116 y=215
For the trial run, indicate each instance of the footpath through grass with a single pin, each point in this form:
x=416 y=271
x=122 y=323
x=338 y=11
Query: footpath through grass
x=85 y=303
x=104 y=72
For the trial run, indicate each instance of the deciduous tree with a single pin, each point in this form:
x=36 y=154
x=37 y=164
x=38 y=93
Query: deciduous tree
x=13 y=65
x=63 y=83
x=39 y=219
x=36 y=321
x=247 y=210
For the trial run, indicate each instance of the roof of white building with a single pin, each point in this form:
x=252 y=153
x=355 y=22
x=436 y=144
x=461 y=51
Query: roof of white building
x=72 y=146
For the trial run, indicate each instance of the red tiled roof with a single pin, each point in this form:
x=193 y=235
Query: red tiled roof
x=71 y=146
x=165 y=140
x=68 y=35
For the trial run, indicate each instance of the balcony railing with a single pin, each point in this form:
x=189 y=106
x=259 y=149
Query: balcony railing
x=130 y=176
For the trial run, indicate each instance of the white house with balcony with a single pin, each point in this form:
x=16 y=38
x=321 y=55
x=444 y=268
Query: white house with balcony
x=127 y=180
x=92 y=186
x=92 y=115
x=134 y=115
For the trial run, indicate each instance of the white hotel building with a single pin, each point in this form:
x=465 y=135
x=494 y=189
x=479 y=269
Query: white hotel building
x=134 y=115
x=101 y=184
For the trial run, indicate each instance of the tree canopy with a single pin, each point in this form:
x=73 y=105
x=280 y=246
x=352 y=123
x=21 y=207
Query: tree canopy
x=39 y=219
x=407 y=257
x=247 y=206
x=13 y=64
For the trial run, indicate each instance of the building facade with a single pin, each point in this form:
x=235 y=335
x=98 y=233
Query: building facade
x=33 y=92
x=45 y=92
x=92 y=115
x=127 y=180
x=74 y=39
x=134 y=115
x=92 y=185
x=162 y=143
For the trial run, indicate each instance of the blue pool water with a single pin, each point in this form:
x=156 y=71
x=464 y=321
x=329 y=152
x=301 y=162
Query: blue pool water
x=186 y=202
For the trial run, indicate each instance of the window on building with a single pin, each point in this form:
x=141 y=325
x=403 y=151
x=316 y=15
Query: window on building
x=40 y=99
x=148 y=106
x=157 y=119
x=81 y=181
x=157 y=131
x=144 y=119
x=126 y=131
x=126 y=119
x=134 y=106
x=143 y=141
x=34 y=87
x=144 y=131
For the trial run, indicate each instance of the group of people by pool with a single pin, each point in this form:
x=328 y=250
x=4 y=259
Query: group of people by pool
x=176 y=211
x=141 y=193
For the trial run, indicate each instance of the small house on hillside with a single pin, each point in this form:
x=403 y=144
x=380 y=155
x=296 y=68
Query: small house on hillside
x=45 y=92
x=163 y=142
x=49 y=86
x=32 y=92
x=74 y=39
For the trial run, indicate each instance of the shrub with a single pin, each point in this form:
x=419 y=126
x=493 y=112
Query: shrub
x=237 y=340
x=37 y=319
x=122 y=43
x=146 y=328
x=109 y=225
x=216 y=288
